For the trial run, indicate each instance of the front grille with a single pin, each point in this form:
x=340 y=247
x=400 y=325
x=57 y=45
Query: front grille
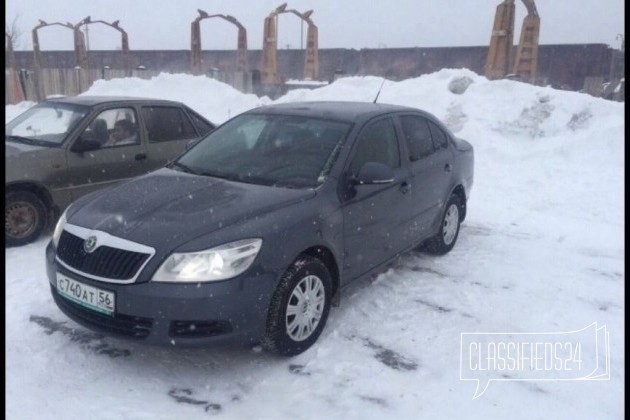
x=199 y=329
x=119 y=324
x=105 y=261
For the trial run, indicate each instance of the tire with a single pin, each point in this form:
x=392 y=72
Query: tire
x=288 y=333
x=445 y=239
x=25 y=218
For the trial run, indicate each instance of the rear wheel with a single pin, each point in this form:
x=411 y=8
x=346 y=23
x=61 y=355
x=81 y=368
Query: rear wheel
x=24 y=218
x=299 y=307
x=445 y=239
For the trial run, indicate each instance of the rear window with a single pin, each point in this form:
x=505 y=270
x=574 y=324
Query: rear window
x=164 y=123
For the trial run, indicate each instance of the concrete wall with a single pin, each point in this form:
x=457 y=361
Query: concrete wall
x=562 y=66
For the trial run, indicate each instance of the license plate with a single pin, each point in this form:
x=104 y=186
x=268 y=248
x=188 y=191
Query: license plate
x=88 y=296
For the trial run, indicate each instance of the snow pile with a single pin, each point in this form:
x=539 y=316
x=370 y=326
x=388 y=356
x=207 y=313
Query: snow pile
x=211 y=98
x=541 y=250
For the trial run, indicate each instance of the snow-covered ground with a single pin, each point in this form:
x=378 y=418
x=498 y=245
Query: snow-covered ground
x=542 y=250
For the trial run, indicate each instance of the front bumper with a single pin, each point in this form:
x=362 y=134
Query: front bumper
x=193 y=314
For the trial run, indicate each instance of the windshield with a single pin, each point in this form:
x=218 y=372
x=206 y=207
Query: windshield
x=278 y=150
x=46 y=124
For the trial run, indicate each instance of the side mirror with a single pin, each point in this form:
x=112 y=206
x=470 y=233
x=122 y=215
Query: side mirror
x=84 y=145
x=374 y=173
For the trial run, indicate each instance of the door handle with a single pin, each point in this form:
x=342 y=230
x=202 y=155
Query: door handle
x=405 y=187
x=141 y=156
x=448 y=167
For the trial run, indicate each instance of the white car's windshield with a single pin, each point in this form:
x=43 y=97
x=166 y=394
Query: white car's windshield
x=280 y=150
x=46 y=124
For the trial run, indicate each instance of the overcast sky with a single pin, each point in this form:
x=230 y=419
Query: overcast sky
x=165 y=24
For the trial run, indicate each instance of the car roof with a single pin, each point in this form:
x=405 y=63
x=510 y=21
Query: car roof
x=98 y=100
x=339 y=110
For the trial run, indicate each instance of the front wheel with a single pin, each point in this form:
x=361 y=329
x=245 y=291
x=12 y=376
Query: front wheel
x=24 y=218
x=445 y=239
x=299 y=307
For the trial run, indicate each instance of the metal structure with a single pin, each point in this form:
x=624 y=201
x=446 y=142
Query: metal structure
x=36 y=49
x=526 y=62
x=270 y=46
x=15 y=80
x=78 y=42
x=124 y=41
x=80 y=48
x=501 y=42
x=195 y=41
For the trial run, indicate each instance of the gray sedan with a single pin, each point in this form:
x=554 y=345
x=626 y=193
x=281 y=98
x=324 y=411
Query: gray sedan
x=252 y=232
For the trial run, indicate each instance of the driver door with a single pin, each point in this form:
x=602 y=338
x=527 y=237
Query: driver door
x=375 y=216
x=106 y=166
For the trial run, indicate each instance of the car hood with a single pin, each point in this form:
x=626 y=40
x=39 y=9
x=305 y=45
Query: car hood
x=168 y=207
x=14 y=149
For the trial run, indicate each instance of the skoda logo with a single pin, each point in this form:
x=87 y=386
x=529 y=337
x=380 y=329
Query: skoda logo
x=90 y=244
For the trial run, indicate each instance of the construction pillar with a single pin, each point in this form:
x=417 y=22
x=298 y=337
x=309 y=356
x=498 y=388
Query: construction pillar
x=501 y=41
x=241 y=53
x=195 y=47
x=311 y=63
x=126 y=52
x=39 y=92
x=37 y=58
x=526 y=62
x=18 y=92
x=80 y=51
x=270 y=50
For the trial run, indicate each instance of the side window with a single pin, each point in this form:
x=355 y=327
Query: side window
x=417 y=135
x=202 y=125
x=377 y=143
x=113 y=127
x=164 y=123
x=439 y=137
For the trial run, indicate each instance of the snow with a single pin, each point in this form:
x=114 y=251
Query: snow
x=541 y=250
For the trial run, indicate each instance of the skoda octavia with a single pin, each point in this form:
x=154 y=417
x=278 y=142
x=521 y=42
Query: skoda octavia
x=250 y=234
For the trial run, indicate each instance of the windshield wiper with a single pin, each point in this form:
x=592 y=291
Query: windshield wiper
x=21 y=139
x=184 y=168
x=222 y=175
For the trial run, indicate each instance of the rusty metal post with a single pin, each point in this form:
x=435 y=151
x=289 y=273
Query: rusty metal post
x=37 y=61
x=15 y=78
x=195 y=47
x=126 y=52
x=241 y=54
x=269 y=52
x=80 y=50
x=311 y=63
x=37 y=56
x=501 y=41
x=526 y=62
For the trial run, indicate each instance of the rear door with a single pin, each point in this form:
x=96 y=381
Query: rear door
x=108 y=165
x=430 y=167
x=168 y=129
x=443 y=166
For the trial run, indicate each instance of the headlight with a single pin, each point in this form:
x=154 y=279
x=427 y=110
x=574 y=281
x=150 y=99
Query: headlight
x=219 y=263
x=59 y=228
